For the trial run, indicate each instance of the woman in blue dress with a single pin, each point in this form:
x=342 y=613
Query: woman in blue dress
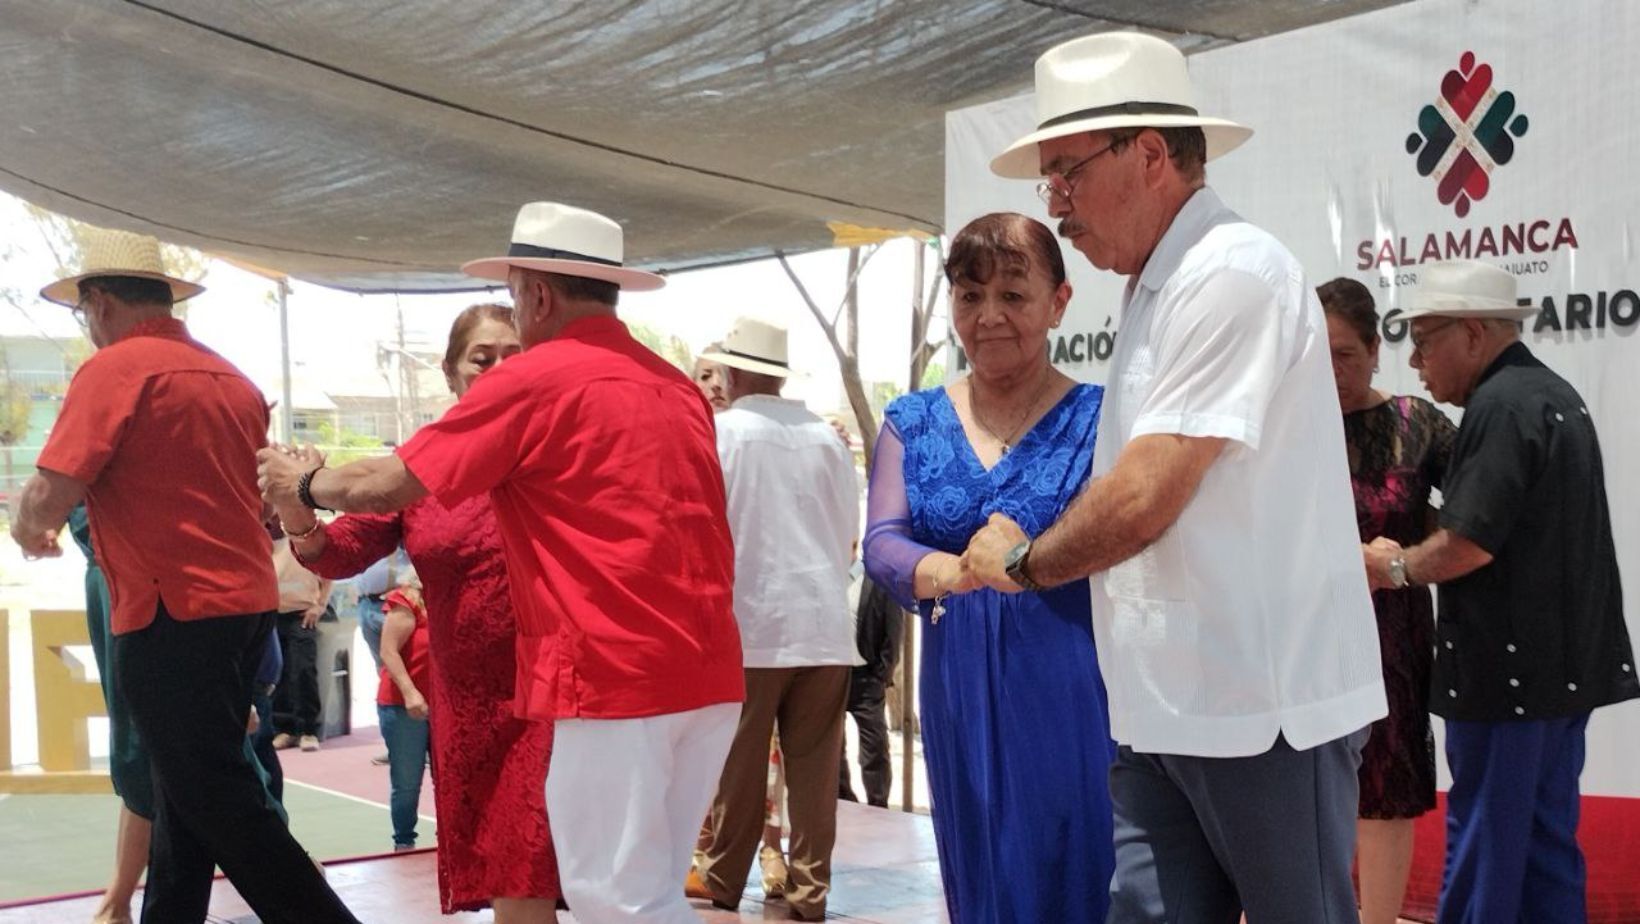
x=1014 y=722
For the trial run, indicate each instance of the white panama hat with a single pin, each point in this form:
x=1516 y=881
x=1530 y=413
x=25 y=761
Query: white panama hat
x=118 y=253
x=1112 y=80
x=755 y=346
x=551 y=237
x=1466 y=289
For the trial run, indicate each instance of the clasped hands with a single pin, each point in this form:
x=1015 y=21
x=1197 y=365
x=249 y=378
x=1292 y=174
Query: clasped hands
x=280 y=467
x=1376 y=556
x=983 y=563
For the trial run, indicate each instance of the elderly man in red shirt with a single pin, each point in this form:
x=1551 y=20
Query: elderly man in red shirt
x=601 y=461
x=158 y=435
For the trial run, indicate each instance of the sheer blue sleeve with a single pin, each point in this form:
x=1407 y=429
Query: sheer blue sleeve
x=891 y=555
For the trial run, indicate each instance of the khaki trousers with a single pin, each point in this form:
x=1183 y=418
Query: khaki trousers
x=807 y=704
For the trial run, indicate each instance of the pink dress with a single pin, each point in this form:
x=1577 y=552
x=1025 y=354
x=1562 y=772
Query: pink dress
x=493 y=838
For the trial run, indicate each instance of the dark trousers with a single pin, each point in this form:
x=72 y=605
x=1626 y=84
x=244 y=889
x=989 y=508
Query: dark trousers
x=296 y=699
x=188 y=685
x=1511 y=823
x=1204 y=839
x=262 y=745
x=866 y=695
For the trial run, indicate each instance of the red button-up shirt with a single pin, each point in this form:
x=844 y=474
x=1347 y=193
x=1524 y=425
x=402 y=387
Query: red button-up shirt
x=601 y=461
x=164 y=433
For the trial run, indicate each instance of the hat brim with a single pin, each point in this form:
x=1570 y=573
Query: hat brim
x=1480 y=309
x=66 y=292
x=1022 y=162
x=749 y=365
x=630 y=280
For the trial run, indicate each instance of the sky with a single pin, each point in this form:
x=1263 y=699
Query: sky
x=334 y=334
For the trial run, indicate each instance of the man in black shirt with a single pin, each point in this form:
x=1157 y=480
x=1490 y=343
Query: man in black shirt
x=1531 y=636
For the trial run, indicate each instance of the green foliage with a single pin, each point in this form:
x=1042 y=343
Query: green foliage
x=933 y=376
x=15 y=405
x=341 y=445
x=881 y=394
x=667 y=346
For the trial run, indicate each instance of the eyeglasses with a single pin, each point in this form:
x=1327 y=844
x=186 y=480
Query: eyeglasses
x=79 y=311
x=1059 y=182
x=1420 y=342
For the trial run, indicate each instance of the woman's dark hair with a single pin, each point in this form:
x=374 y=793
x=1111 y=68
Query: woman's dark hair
x=1352 y=302
x=1007 y=240
x=466 y=322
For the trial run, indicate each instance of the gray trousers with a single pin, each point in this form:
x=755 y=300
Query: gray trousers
x=1200 y=840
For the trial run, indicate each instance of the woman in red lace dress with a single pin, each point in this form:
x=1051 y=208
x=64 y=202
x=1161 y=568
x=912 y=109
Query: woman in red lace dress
x=1398 y=449
x=494 y=848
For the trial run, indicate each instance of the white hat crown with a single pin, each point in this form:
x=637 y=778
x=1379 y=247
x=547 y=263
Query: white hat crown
x=1112 y=73
x=568 y=232
x=754 y=345
x=552 y=237
x=1113 y=80
x=1467 y=289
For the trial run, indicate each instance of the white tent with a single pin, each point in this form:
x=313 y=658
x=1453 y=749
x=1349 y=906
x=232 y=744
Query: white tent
x=375 y=145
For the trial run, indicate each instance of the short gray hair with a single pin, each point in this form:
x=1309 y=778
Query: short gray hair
x=1186 y=147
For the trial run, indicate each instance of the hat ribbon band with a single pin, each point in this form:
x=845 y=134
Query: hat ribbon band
x=552 y=253
x=1128 y=108
x=756 y=359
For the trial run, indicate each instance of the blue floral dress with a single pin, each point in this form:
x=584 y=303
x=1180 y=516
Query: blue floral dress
x=1014 y=721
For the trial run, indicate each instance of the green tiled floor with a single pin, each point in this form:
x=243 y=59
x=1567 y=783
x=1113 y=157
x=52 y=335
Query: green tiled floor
x=55 y=844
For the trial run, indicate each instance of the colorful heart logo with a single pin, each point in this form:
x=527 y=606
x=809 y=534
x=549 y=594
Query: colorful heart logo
x=1464 y=88
x=1465 y=181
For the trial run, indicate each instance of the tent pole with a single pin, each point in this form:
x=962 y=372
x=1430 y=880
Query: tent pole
x=908 y=653
x=284 y=360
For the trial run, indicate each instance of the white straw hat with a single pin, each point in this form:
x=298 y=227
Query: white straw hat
x=1112 y=80
x=755 y=346
x=118 y=253
x=1466 y=289
x=555 y=238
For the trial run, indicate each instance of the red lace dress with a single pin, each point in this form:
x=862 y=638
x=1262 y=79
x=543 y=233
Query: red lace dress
x=490 y=790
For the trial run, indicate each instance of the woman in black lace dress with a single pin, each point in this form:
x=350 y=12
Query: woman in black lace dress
x=1398 y=450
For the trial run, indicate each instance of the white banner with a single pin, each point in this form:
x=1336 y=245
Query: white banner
x=1500 y=130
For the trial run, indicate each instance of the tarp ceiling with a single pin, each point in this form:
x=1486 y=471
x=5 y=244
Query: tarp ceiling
x=375 y=145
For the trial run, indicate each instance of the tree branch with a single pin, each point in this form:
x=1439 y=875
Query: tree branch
x=814 y=309
x=854 y=278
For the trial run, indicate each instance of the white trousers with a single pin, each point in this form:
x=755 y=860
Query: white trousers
x=625 y=798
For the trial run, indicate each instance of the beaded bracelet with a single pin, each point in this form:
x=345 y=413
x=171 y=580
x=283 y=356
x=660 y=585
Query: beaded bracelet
x=304 y=490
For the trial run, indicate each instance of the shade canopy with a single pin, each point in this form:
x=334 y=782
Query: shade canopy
x=373 y=145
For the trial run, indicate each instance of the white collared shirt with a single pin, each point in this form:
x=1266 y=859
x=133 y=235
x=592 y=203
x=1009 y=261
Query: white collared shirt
x=1251 y=615
x=794 y=510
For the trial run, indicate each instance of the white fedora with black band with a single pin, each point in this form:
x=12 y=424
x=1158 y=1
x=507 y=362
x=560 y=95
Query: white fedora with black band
x=118 y=253
x=1112 y=80
x=1466 y=289
x=755 y=346
x=551 y=237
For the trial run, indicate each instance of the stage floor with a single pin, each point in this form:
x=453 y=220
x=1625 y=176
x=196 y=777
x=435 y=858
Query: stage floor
x=884 y=871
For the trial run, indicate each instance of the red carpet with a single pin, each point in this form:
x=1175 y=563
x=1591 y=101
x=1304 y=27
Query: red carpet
x=884 y=871
x=1609 y=832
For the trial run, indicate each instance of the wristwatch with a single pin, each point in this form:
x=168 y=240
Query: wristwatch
x=1398 y=572
x=1016 y=561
